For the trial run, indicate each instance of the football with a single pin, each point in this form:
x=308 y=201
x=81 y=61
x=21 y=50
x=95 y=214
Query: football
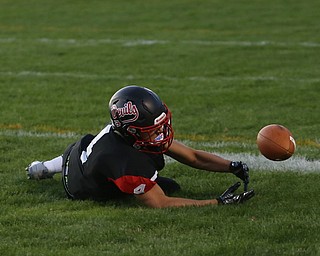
x=276 y=142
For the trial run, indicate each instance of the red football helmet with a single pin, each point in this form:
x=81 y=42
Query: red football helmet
x=140 y=116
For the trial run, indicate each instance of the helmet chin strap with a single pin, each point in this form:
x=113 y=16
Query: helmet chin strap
x=117 y=132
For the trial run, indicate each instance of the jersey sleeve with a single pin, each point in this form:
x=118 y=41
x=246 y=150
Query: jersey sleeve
x=131 y=184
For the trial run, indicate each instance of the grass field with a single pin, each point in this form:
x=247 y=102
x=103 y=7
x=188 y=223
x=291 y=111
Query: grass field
x=225 y=69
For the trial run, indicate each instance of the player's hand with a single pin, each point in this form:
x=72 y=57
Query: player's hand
x=241 y=170
x=228 y=197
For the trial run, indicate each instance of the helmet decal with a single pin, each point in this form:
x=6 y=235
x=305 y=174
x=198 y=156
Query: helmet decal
x=160 y=137
x=160 y=118
x=128 y=110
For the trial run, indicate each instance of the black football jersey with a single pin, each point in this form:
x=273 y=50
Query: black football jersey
x=106 y=162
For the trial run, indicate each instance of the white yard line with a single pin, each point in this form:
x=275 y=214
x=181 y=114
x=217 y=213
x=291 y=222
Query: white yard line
x=70 y=42
x=22 y=133
x=256 y=162
x=260 y=163
x=141 y=42
x=77 y=75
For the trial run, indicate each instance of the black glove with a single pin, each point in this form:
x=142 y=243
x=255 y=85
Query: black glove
x=241 y=170
x=228 y=197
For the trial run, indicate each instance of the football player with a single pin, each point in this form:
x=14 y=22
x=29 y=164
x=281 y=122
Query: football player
x=125 y=158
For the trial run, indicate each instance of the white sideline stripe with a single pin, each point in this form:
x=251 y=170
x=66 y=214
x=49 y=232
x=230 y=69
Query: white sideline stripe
x=139 y=42
x=256 y=162
x=260 y=163
x=21 y=133
x=295 y=163
x=157 y=77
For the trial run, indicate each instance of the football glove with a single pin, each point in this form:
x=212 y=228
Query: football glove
x=241 y=170
x=228 y=197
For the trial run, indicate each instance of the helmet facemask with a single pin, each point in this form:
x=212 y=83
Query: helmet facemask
x=156 y=138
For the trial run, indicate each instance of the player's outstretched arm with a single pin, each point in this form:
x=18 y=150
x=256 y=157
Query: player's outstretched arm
x=198 y=158
x=207 y=161
x=156 y=198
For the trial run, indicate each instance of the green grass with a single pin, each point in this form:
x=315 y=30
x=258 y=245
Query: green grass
x=225 y=69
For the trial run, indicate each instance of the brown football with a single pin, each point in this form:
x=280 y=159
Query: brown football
x=276 y=142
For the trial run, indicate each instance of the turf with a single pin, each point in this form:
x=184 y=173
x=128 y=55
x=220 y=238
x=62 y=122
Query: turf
x=225 y=69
